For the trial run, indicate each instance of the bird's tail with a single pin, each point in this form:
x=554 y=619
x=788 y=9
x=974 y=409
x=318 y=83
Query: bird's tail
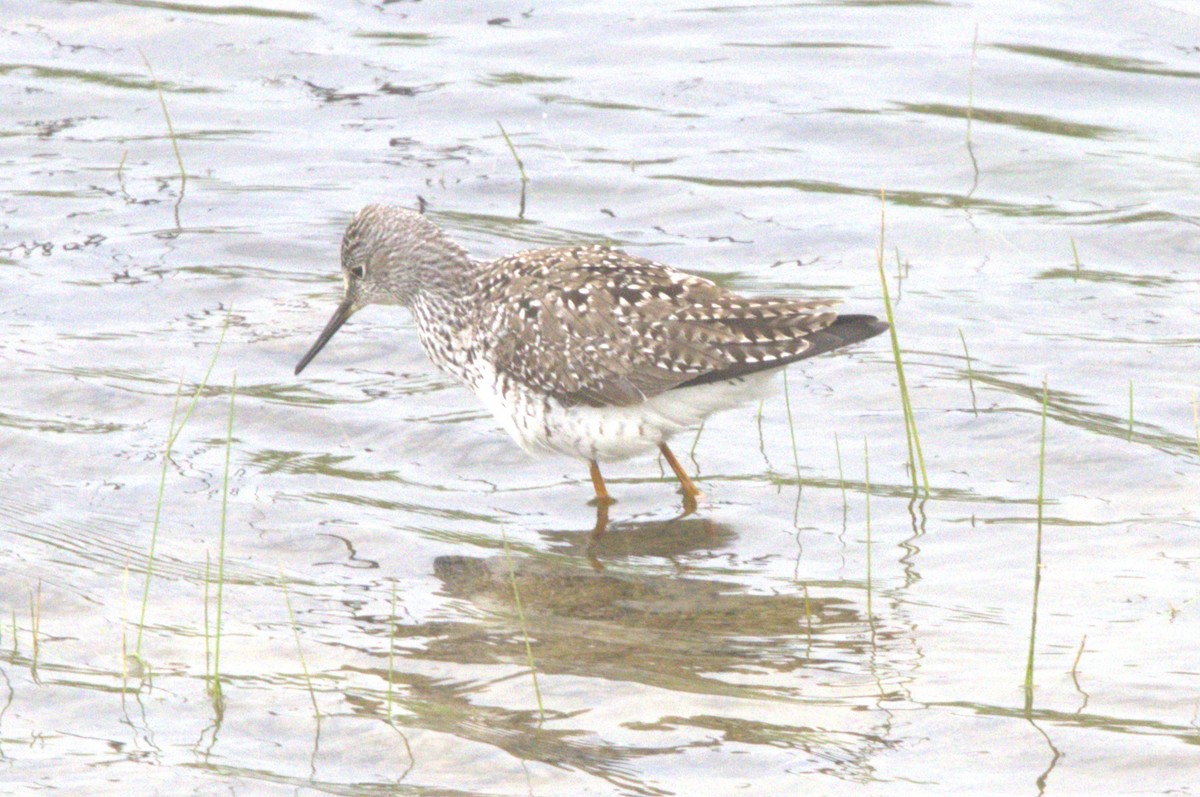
x=845 y=330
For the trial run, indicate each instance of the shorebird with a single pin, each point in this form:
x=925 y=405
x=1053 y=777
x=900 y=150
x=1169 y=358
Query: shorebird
x=585 y=351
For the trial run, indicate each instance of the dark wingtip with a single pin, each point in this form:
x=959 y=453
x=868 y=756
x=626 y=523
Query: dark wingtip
x=844 y=331
x=852 y=329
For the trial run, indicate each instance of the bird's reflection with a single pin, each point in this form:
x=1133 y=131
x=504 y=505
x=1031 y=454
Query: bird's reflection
x=687 y=635
x=676 y=632
x=668 y=538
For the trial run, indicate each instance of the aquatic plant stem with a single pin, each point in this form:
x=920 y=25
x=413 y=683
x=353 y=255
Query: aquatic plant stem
x=1078 y=656
x=124 y=625
x=971 y=84
x=162 y=100
x=207 y=632
x=796 y=456
x=970 y=371
x=173 y=433
x=391 y=677
x=312 y=693
x=512 y=575
x=1130 y=438
x=916 y=459
x=520 y=167
x=218 y=697
x=35 y=625
x=513 y=150
x=1196 y=422
x=787 y=401
x=867 y=489
x=1037 y=562
x=391 y=653
x=696 y=442
x=158 y=505
x=841 y=477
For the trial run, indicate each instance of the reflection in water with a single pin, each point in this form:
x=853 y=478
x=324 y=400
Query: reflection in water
x=582 y=618
x=657 y=539
x=666 y=632
x=449 y=707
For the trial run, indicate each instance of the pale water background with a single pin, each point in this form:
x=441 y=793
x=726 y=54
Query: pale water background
x=747 y=142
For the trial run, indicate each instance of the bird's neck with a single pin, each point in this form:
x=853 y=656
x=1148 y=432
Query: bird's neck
x=445 y=287
x=440 y=273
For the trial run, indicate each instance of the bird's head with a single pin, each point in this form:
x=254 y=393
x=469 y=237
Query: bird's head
x=389 y=256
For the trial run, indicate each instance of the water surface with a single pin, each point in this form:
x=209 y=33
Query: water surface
x=754 y=645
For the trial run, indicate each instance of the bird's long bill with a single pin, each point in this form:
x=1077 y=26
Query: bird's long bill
x=340 y=315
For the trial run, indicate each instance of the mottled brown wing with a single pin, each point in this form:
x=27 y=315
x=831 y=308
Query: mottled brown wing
x=596 y=326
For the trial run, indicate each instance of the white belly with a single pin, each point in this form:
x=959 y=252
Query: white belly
x=542 y=425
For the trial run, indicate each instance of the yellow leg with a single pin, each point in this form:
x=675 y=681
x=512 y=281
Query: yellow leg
x=690 y=491
x=598 y=532
x=602 y=496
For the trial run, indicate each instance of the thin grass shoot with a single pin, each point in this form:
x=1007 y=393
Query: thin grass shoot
x=916 y=459
x=700 y=431
x=391 y=653
x=162 y=101
x=391 y=677
x=807 y=613
x=173 y=433
x=867 y=489
x=35 y=624
x=207 y=627
x=217 y=694
x=1130 y=435
x=841 y=477
x=520 y=167
x=1196 y=422
x=513 y=150
x=762 y=443
x=970 y=371
x=512 y=575
x=787 y=400
x=971 y=84
x=124 y=626
x=1037 y=562
x=312 y=693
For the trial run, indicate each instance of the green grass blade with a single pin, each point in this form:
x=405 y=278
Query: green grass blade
x=162 y=101
x=971 y=84
x=787 y=400
x=867 y=488
x=916 y=458
x=512 y=575
x=1037 y=562
x=218 y=696
x=1196 y=422
x=513 y=150
x=173 y=435
x=970 y=371
x=841 y=477
x=312 y=693
x=1131 y=410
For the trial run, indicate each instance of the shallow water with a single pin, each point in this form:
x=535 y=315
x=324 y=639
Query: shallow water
x=751 y=645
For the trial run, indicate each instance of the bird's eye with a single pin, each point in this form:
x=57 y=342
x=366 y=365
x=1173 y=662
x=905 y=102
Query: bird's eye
x=358 y=271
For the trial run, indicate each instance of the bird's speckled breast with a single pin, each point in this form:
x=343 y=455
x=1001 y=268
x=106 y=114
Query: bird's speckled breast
x=541 y=424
